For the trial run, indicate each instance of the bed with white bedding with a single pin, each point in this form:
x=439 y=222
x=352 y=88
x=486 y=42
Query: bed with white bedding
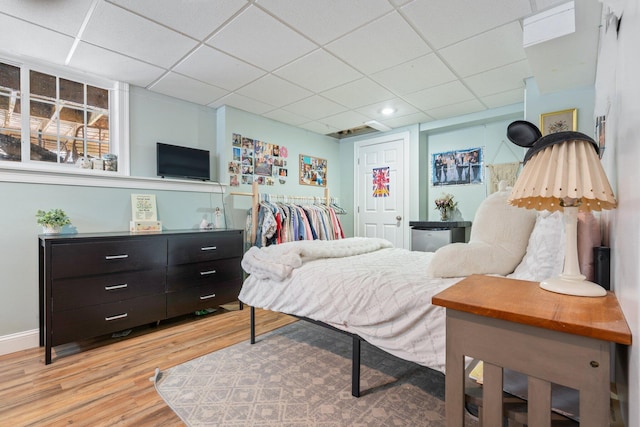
x=381 y=294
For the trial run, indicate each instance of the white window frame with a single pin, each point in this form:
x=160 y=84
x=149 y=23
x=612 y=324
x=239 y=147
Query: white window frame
x=63 y=174
x=118 y=120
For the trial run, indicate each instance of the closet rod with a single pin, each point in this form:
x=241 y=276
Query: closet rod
x=255 y=204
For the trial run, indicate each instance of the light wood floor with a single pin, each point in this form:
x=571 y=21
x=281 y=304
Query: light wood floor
x=105 y=382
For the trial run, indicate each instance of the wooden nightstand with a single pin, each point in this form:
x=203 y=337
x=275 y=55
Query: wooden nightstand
x=549 y=337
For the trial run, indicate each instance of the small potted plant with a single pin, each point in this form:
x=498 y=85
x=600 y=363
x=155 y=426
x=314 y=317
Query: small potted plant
x=52 y=220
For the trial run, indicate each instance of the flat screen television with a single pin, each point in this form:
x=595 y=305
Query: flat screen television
x=182 y=162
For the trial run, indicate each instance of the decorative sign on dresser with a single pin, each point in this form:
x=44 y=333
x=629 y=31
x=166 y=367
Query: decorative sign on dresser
x=93 y=284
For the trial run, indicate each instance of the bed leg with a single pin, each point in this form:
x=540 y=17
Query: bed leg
x=253 y=324
x=355 y=367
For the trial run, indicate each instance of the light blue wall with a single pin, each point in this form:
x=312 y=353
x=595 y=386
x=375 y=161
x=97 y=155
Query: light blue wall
x=158 y=118
x=484 y=129
x=348 y=160
x=498 y=149
x=297 y=141
x=541 y=103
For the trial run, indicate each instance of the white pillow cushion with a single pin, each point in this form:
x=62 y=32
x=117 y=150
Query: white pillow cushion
x=545 y=251
x=497 y=243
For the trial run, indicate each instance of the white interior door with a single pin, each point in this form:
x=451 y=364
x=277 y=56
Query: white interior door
x=380 y=189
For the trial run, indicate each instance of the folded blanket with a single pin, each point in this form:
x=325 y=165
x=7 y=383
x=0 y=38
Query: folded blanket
x=276 y=262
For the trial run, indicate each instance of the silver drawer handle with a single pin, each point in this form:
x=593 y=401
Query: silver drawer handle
x=205 y=273
x=208 y=296
x=208 y=248
x=119 y=316
x=113 y=287
x=116 y=256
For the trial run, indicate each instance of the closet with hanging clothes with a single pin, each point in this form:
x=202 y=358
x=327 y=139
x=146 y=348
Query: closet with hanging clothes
x=275 y=219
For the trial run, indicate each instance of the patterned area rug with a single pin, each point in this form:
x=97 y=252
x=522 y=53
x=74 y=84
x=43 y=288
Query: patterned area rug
x=300 y=375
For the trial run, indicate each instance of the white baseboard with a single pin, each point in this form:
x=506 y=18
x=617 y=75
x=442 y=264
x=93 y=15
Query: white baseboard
x=19 y=341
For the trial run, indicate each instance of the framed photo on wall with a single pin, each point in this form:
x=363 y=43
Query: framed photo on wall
x=457 y=167
x=559 y=121
x=313 y=171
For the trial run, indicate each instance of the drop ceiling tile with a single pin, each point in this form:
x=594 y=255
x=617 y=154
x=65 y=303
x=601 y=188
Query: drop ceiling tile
x=345 y=120
x=510 y=76
x=186 y=88
x=515 y=96
x=116 y=29
x=546 y=4
x=118 y=67
x=486 y=51
x=358 y=93
x=444 y=22
x=197 y=19
x=399 y=2
x=273 y=90
x=214 y=67
x=446 y=94
x=407 y=120
x=380 y=44
x=242 y=103
x=324 y=21
x=321 y=128
x=374 y=111
x=315 y=107
x=261 y=40
x=454 y=110
x=287 y=117
x=420 y=73
x=66 y=19
x=22 y=39
x=318 y=71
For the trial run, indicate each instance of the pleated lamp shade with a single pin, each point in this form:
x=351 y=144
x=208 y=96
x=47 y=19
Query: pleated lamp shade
x=569 y=169
x=563 y=172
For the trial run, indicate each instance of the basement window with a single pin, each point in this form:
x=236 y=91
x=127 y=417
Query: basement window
x=49 y=119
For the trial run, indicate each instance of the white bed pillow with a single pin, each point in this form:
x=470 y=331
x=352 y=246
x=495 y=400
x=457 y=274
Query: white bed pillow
x=498 y=241
x=545 y=251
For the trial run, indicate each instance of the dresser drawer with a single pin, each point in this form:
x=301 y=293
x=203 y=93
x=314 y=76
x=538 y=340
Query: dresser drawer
x=201 y=297
x=190 y=275
x=205 y=247
x=86 y=322
x=72 y=293
x=83 y=259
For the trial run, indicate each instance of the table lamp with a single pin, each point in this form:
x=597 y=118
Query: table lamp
x=562 y=172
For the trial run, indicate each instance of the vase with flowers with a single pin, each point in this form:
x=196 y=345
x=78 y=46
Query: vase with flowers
x=446 y=205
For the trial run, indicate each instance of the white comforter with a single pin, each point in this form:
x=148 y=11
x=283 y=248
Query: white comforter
x=381 y=293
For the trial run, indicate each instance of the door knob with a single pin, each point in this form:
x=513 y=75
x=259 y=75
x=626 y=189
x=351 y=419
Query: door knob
x=399 y=218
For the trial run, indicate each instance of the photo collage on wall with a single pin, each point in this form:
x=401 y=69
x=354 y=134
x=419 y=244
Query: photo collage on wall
x=257 y=161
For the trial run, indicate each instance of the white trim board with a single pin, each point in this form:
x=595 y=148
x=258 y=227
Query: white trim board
x=19 y=341
x=83 y=178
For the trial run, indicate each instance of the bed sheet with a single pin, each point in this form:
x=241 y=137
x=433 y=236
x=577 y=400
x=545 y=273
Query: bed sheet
x=383 y=296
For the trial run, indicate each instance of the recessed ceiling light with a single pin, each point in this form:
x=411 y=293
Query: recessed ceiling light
x=388 y=111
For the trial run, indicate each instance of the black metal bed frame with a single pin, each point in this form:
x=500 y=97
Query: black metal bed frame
x=355 y=349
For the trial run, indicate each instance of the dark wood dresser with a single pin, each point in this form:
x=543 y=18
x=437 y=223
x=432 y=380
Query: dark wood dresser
x=93 y=284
